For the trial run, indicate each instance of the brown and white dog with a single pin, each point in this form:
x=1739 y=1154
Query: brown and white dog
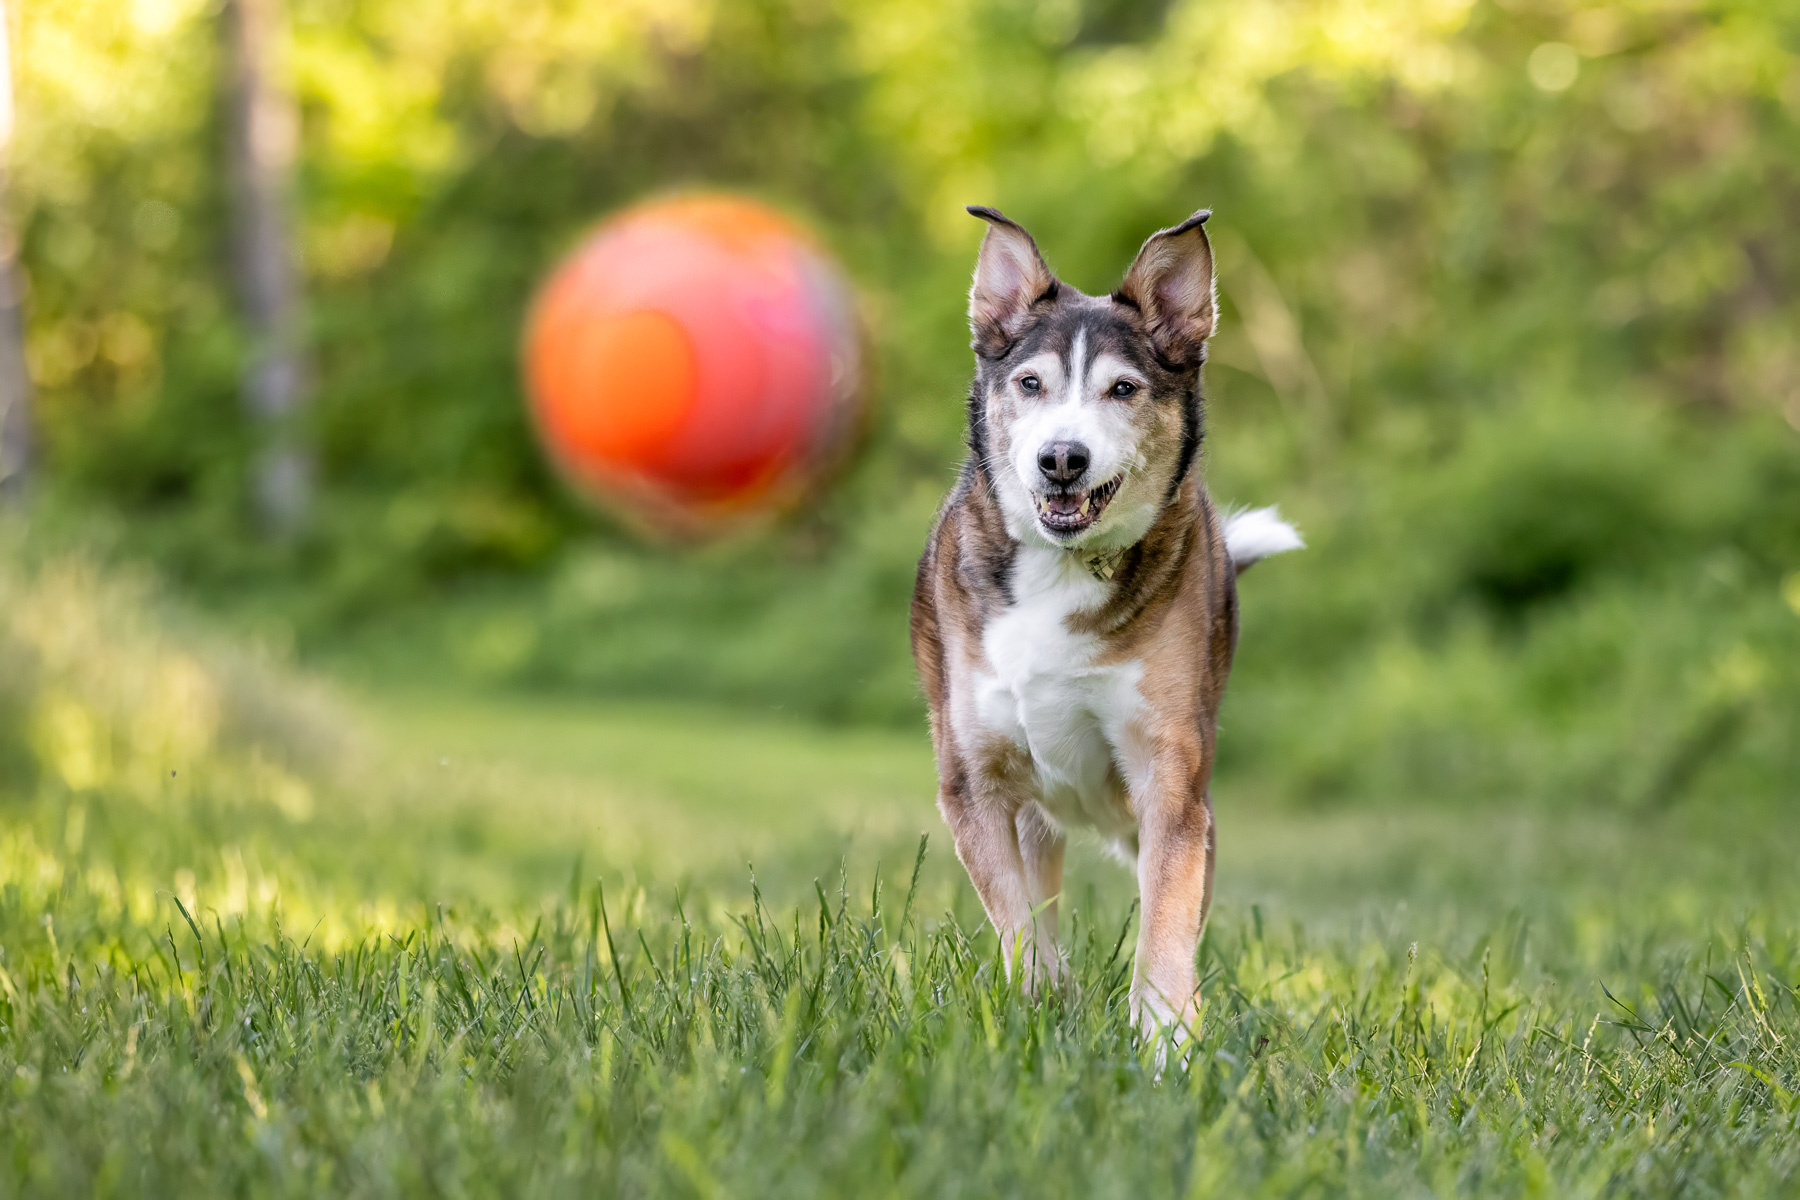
x=1076 y=607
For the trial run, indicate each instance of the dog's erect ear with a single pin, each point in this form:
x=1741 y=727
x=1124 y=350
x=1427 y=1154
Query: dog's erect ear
x=1010 y=276
x=1171 y=283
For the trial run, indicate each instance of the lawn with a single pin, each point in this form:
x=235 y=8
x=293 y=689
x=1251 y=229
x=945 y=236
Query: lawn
x=262 y=938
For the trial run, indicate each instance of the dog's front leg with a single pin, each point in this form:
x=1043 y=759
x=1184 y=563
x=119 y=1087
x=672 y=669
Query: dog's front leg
x=981 y=819
x=1041 y=846
x=1175 y=867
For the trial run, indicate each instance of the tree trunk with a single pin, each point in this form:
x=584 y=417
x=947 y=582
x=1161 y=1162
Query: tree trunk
x=263 y=130
x=15 y=381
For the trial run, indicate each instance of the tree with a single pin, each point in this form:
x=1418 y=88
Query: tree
x=15 y=382
x=262 y=130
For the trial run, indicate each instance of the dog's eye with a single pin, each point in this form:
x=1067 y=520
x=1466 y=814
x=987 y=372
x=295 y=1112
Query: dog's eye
x=1031 y=383
x=1123 y=388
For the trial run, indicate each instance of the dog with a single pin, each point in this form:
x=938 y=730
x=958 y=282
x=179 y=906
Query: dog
x=1075 y=610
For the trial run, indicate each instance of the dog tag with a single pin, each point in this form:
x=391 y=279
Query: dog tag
x=1102 y=564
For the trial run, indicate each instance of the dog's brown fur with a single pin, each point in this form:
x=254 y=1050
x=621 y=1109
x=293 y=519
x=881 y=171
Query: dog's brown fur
x=1170 y=606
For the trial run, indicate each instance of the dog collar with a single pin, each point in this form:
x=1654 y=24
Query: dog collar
x=1102 y=564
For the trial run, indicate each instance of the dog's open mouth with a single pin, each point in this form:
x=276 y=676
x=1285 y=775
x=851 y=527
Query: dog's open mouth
x=1065 y=513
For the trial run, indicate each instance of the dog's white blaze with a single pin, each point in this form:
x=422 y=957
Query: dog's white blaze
x=1078 y=365
x=1046 y=694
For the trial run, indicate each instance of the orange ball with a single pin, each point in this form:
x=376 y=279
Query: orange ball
x=695 y=362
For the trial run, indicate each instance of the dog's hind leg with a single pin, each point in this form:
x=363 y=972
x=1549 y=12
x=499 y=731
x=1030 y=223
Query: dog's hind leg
x=1041 y=846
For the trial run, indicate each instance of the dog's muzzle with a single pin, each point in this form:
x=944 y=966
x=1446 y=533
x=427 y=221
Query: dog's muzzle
x=1066 y=513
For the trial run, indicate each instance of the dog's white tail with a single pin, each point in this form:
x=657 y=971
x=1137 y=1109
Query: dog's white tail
x=1253 y=534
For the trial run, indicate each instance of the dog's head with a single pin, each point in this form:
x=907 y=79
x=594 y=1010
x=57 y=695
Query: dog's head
x=1085 y=410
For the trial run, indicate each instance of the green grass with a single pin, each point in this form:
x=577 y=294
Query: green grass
x=431 y=944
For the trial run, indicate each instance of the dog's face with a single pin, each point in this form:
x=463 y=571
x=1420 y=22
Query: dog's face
x=1086 y=409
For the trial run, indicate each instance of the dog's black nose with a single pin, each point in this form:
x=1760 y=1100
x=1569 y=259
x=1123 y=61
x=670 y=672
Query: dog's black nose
x=1063 y=462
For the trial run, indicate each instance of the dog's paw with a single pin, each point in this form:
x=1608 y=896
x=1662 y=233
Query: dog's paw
x=1044 y=973
x=1168 y=1032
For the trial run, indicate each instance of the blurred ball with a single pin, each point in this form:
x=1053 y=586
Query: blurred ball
x=694 y=363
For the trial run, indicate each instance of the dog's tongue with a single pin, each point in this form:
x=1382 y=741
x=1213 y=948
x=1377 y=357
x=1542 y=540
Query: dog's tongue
x=1066 y=505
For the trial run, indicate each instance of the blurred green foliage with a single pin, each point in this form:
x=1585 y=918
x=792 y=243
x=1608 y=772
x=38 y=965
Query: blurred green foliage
x=1509 y=294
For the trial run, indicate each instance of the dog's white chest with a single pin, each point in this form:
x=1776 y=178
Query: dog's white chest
x=1045 y=692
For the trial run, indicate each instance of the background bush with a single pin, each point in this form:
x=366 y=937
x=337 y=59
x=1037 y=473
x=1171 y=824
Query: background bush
x=1509 y=292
